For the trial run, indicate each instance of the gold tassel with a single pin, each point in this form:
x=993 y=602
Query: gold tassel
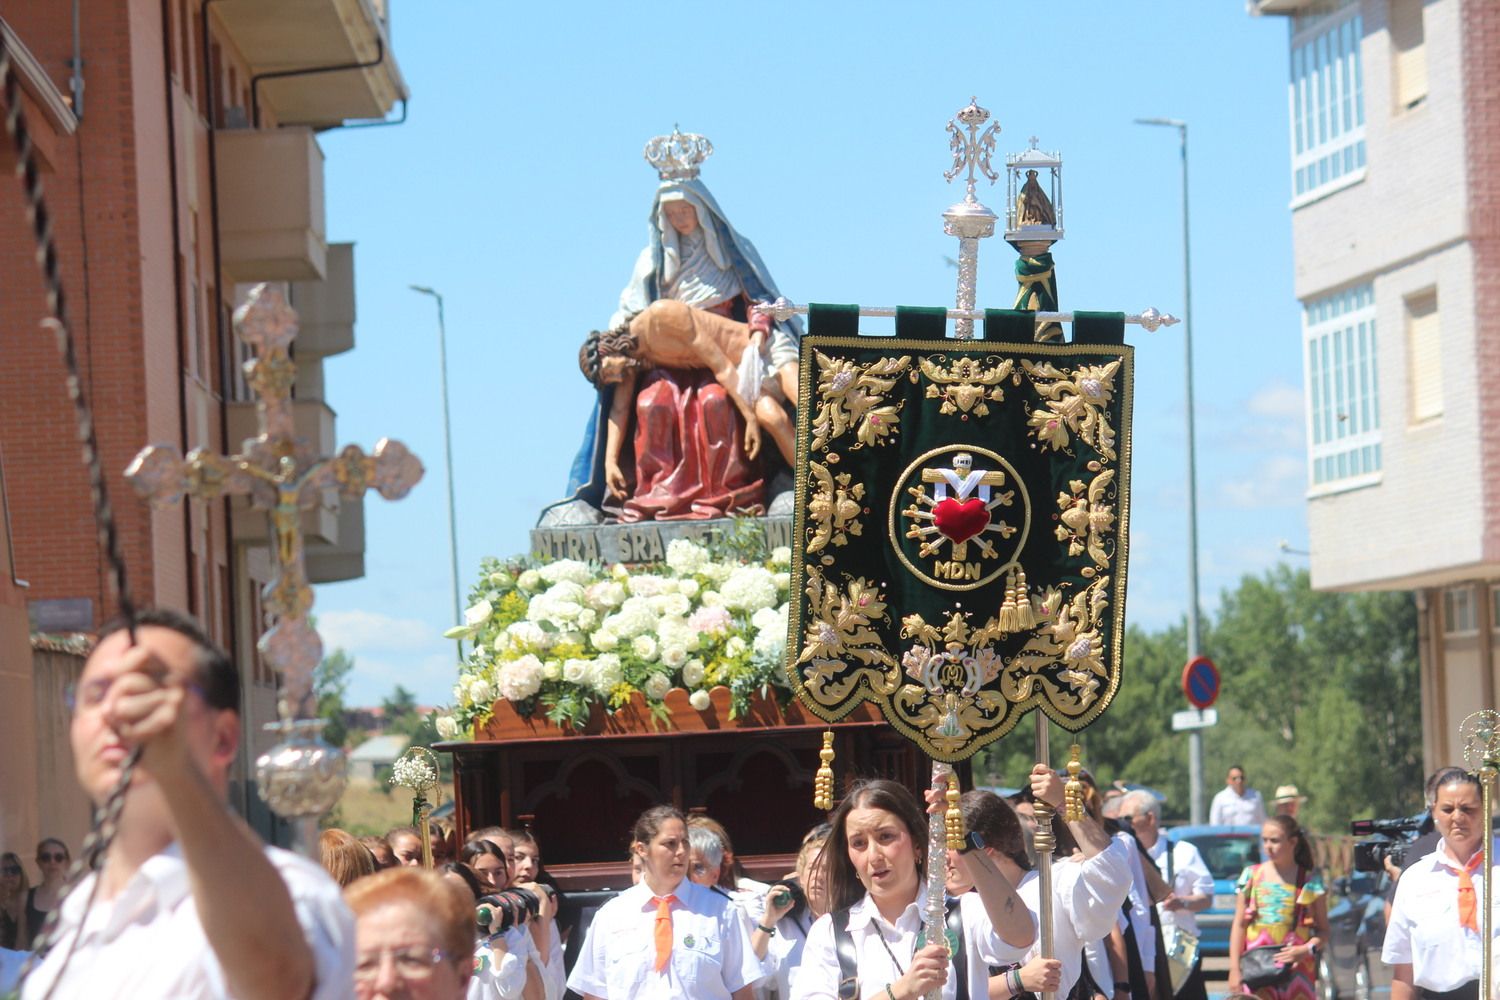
x=1008 y=608
x=1073 y=791
x=953 y=819
x=1024 y=618
x=823 y=781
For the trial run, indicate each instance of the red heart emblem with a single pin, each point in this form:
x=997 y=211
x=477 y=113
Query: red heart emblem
x=959 y=521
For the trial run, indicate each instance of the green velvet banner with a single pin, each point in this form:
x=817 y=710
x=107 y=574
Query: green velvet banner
x=960 y=539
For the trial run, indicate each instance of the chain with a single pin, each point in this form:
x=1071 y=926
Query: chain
x=96 y=844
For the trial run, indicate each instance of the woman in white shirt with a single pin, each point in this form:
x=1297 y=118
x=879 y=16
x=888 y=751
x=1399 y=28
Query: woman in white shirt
x=875 y=863
x=666 y=937
x=1432 y=944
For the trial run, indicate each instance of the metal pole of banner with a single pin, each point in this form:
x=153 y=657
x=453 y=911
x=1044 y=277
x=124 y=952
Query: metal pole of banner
x=934 y=911
x=1151 y=319
x=1044 y=843
x=970 y=220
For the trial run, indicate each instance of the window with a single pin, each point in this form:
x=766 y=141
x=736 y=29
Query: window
x=1343 y=391
x=1424 y=356
x=1408 y=54
x=1327 y=99
x=1458 y=611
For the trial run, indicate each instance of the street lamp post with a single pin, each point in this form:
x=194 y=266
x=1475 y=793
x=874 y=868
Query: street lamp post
x=448 y=454
x=1195 y=737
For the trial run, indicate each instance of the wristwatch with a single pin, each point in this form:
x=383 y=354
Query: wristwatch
x=769 y=931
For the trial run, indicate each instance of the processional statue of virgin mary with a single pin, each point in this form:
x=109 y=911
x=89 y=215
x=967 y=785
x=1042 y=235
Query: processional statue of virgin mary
x=696 y=390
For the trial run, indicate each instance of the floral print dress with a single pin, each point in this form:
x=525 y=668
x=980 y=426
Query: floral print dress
x=1269 y=907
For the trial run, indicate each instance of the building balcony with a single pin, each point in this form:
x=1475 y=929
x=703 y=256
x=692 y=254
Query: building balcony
x=271 y=220
x=313 y=420
x=325 y=309
x=1259 y=7
x=343 y=559
x=314 y=62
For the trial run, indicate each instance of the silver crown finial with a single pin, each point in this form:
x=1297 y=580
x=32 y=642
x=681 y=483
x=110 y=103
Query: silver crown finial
x=973 y=151
x=677 y=157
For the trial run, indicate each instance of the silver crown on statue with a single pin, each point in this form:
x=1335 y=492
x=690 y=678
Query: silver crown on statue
x=677 y=157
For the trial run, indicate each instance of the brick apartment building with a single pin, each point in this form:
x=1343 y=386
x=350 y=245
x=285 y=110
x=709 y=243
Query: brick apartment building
x=178 y=141
x=1395 y=128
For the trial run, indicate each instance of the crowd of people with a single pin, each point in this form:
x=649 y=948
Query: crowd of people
x=405 y=915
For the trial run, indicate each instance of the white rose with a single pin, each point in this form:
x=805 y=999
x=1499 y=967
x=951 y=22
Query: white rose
x=476 y=615
x=692 y=672
x=783 y=581
x=700 y=700
x=529 y=580
x=604 y=640
x=502 y=579
x=480 y=691
x=781 y=555
x=688 y=588
x=645 y=647
x=673 y=656
x=711 y=599
x=587 y=619
x=619 y=572
x=447 y=726
x=656 y=686
x=735 y=647
x=551 y=671
x=575 y=670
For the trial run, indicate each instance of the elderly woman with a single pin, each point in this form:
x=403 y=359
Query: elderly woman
x=875 y=863
x=413 y=937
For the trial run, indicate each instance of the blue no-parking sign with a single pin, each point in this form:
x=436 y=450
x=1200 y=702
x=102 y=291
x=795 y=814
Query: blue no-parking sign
x=1200 y=682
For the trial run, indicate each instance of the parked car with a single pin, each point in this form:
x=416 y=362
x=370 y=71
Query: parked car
x=1350 y=966
x=1226 y=851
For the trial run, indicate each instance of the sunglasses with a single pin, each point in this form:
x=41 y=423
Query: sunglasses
x=52 y=857
x=9 y=870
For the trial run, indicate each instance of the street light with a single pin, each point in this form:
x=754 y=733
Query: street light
x=1195 y=739
x=448 y=454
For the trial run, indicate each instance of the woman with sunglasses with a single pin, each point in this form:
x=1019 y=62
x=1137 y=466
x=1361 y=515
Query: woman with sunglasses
x=52 y=860
x=14 y=933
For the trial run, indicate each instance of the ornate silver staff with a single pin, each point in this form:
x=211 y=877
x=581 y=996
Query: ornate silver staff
x=302 y=776
x=970 y=220
x=1480 y=734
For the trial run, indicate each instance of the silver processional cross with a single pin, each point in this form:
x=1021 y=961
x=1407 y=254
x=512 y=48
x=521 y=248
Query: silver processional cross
x=281 y=474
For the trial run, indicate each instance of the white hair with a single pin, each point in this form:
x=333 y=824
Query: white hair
x=708 y=844
x=1141 y=801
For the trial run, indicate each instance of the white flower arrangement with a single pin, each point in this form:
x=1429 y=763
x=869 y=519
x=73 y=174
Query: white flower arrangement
x=559 y=638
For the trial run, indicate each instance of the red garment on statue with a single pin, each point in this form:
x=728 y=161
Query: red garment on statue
x=690 y=459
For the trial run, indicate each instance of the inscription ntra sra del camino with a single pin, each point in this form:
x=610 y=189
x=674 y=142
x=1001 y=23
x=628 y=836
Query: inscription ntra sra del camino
x=644 y=541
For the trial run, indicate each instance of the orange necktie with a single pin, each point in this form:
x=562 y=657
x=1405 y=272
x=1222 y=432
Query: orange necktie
x=1468 y=908
x=662 y=932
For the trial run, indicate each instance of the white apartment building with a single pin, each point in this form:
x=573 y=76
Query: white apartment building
x=1394 y=111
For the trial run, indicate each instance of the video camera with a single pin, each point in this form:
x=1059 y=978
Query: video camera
x=1387 y=838
x=500 y=911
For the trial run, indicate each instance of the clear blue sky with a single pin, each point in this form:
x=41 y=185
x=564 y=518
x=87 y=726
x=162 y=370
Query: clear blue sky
x=517 y=189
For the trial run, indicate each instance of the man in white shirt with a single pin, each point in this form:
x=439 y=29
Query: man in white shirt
x=1236 y=805
x=189 y=903
x=1186 y=873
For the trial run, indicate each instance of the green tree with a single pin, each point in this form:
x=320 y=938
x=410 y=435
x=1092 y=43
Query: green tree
x=1320 y=690
x=403 y=718
x=330 y=684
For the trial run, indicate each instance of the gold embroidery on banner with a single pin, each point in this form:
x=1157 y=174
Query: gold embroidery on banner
x=1075 y=402
x=834 y=508
x=1087 y=522
x=965 y=385
x=1069 y=637
x=837 y=634
x=854 y=396
x=947 y=669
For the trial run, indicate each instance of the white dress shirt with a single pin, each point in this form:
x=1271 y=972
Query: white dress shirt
x=711 y=954
x=818 y=976
x=1086 y=900
x=149 y=942
x=1424 y=930
x=1190 y=877
x=554 y=973
x=1230 y=808
x=783 y=957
